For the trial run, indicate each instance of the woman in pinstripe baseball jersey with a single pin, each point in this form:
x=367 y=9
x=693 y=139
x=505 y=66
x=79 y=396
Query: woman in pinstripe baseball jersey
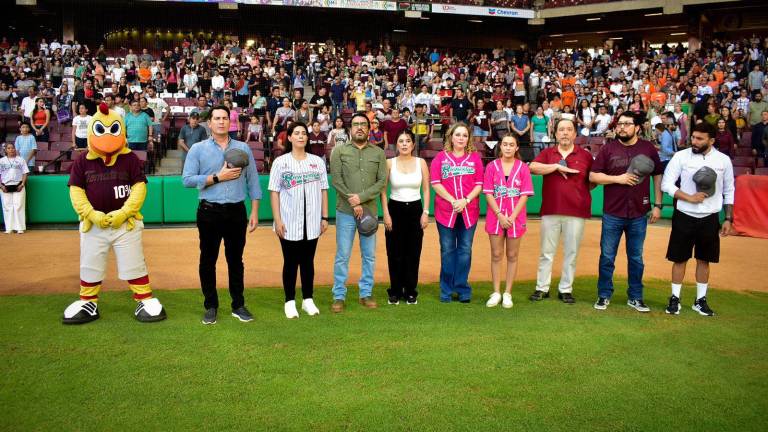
x=299 y=197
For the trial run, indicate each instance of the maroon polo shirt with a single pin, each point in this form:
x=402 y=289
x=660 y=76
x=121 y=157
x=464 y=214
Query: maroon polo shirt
x=393 y=128
x=107 y=188
x=317 y=143
x=622 y=200
x=566 y=196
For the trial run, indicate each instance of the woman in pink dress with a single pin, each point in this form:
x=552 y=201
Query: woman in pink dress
x=507 y=187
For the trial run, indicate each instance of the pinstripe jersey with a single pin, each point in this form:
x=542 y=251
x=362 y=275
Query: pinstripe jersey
x=300 y=184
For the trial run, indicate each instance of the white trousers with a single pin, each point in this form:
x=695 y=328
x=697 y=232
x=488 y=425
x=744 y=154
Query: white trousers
x=129 y=252
x=553 y=227
x=13 y=210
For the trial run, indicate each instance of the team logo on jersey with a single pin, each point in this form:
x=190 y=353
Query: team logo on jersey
x=290 y=180
x=501 y=191
x=448 y=171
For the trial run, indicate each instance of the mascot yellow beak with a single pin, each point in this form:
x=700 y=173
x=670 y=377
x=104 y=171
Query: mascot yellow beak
x=106 y=135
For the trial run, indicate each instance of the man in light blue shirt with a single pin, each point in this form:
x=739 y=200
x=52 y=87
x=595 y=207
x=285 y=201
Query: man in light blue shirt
x=667 y=147
x=26 y=146
x=221 y=213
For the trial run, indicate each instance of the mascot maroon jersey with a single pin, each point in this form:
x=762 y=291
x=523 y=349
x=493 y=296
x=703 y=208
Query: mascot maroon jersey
x=107 y=187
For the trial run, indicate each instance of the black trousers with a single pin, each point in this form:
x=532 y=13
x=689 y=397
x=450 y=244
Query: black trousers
x=404 y=247
x=214 y=223
x=299 y=254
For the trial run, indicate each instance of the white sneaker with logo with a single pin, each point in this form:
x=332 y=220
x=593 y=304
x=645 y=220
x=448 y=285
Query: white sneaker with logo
x=494 y=300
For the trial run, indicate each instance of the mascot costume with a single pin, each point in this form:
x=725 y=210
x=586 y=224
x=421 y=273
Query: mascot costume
x=107 y=187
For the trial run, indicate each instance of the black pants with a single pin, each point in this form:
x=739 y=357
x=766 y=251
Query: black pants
x=404 y=247
x=299 y=254
x=214 y=223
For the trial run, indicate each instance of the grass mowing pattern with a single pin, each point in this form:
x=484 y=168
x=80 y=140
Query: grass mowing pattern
x=437 y=367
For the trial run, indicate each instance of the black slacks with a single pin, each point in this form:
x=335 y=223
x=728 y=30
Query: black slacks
x=214 y=223
x=299 y=254
x=404 y=247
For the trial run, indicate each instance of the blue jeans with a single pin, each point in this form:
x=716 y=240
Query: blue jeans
x=455 y=260
x=478 y=132
x=346 y=227
x=612 y=228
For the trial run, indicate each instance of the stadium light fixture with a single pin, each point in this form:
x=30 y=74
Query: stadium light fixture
x=654 y=14
x=556 y=35
x=594 y=19
x=572 y=41
x=617 y=38
x=475 y=21
x=400 y=31
x=424 y=17
x=677 y=34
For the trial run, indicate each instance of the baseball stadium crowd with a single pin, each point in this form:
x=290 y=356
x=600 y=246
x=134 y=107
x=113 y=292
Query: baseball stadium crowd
x=615 y=117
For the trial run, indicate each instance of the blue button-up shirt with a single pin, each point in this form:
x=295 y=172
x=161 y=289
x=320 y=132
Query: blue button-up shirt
x=667 y=146
x=206 y=158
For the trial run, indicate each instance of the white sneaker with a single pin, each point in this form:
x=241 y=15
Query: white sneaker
x=290 y=310
x=308 y=306
x=494 y=300
x=506 y=301
x=20 y=231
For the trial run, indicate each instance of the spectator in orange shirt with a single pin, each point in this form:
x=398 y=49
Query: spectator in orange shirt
x=569 y=96
x=144 y=74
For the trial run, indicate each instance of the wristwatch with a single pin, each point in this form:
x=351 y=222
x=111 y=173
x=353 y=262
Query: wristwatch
x=215 y=178
x=426 y=212
x=325 y=218
x=659 y=206
x=729 y=219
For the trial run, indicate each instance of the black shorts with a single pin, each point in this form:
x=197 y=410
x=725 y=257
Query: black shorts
x=689 y=232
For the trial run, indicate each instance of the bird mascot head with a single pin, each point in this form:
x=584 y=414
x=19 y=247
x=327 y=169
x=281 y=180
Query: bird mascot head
x=106 y=136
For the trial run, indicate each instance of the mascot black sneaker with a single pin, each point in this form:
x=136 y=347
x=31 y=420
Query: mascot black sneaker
x=81 y=312
x=150 y=310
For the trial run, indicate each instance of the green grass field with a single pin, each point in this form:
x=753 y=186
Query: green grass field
x=433 y=367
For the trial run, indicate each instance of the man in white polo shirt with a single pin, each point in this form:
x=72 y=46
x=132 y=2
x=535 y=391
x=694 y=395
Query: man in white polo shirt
x=706 y=186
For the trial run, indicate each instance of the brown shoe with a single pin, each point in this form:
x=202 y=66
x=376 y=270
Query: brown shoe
x=369 y=302
x=337 y=306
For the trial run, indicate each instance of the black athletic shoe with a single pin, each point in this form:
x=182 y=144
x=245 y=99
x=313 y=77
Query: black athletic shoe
x=411 y=300
x=539 y=295
x=210 y=316
x=702 y=307
x=674 y=306
x=638 y=305
x=566 y=298
x=242 y=314
x=465 y=301
x=393 y=300
x=602 y=303
x=81 y=312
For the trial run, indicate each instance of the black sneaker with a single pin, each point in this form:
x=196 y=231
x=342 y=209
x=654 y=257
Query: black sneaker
x=539 y=295
x=702 y=307
x=411 y=300
x=393 y=300
x=465 y=301
x=674 y=306
x=602 y=303
x=638 y=305
x=566 y=298
x=210 y=316
x=242 y=314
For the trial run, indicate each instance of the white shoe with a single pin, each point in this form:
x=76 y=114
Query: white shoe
x=290 y=310
x=506 y=301
x=20 y=231
x=308 y=306
x=81 y=312
x=494 y=300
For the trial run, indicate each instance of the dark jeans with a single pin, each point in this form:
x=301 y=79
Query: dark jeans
x=214 y=223
x=404 y=247
x=137 y=145
x=299 y=254
x=612 y=229
x=455 y=260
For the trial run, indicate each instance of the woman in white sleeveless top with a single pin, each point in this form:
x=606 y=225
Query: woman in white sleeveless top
x=405 y=217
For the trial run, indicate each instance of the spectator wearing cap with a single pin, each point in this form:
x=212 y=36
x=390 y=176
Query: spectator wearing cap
x=705 y=177
x=566 y=205
x=191 y=133
x=359 y=173
x=221 y=213
x=626 y=203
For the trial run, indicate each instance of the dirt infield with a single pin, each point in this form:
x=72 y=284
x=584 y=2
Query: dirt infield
x=46 y=261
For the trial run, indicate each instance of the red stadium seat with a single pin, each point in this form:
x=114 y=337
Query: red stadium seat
x=258 y=154
x=428 y=154
x=739 y=170
x=141 y=154
x=744 y=151
x=746 y=139
x=61 y=145
x=761 y=171
x=581 y=141
x=47 y=155
x=744 y=161
x=435 y=144
x=42 y=146
x=66 y=167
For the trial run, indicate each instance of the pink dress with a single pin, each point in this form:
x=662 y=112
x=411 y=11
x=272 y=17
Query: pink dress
x=507 y=193
x=458 y=176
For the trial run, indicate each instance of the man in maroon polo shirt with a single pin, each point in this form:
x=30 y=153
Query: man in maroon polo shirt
x=626 y=203
x=566 y=204
x=392 y=128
